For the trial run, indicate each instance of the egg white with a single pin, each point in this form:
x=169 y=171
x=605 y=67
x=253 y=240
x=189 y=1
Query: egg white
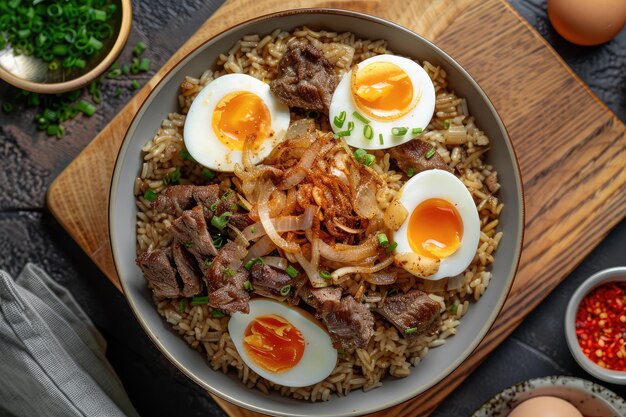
x=319 y=358
x=202 y=142
x=441 y=184
x=418 y=117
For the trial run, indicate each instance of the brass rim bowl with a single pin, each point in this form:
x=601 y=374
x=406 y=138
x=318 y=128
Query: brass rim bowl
x=100 y=64
x=440 y=362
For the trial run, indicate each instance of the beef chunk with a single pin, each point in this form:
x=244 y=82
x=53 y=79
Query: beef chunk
x=412 y=154
x=241 y=220
x=190 y=229
x=305 y=79
x=268 y=282
x=225 y=279
x=316 y=297
x=228 y=202
x=413 y=310
x=158 y=271
x=349 y=322
x=188 y=270
x=206 y=196
x=174 y=199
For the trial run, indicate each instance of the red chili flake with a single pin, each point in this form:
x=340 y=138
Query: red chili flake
x=601 y=325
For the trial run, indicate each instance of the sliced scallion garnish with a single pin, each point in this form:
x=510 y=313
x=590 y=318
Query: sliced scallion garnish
x=360 y=117
x=285 y=290
x=399 y=131
x=368 y=132
x=430 y=153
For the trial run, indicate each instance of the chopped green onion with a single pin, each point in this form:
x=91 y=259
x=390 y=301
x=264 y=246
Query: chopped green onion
x=342 y=133
x=291 y=271
x=359 y=154
x=218 y=241
x=207 y=262
x=430 y=153
x=410 y=172
x=340 y=120
x=399 y=131
x=225 y=196
x=126 y=69
x=172 y=177
x=181 y=306
x=134 y=85
x=410 y=330
x=216 y=313
x=368 y=132
x=184 y=153
x=446 y=124
x=360 y=117
x=200 y=300
x=114 y=73
x=453 y=308
x=350 y=126
x=86 y=108
x=144 y=65
x=220 y=222
x=7 y=107
x=380 y=138
x=189 y=244
x=253 y=230
x=150 y=195
x=228 y=272
x=213 y=207
x=341 y=352
x=117 y=92
x=284 y=291
x=383 y=240
x=208 y=174
x=391 y=247
x=247 y=285
x=139 y=48
x=416 y=130
x=369 y=160
x=326 y=275
x=248 y=265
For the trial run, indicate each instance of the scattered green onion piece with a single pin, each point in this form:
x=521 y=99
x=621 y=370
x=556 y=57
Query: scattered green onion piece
x=114 y=73
x=97 y=96
x=248 y=265
x=134 y=85
x=360 y=117
x=453 y=308
x=291 y=271
x=359 y=154
x=53 y=66
x=98 y=15
x=225 y=196
x=117 y=92
x=229 y=273
x=342 y=133
x=173 y=177
x=350 y=126
x=7 y=107
x=208 y=174
x=391 y=247
x=217 y=314
x=430 y=153
x=446 y=124
x=326 y=275
x=189 y=244
x=416 y=130
x=207 y=262
x=368 y=132
x=181 y=306
x=399 y=131
x=383 y=240
x=247 y=285
x=86 y=108
x=218 y=241
x=220 y=222
x=340 y=120
x=410 y=330
x=380 y=138
x=184 y=153
x=369 y=160
x=125 y=69
x=150 y=195
x=410 y=172
x=213 y=207
x=200 y=300
x=284 y=291
x=60 y=49
x=50 y=115
x=139 y=48
x=144 y=65
x=94 y=43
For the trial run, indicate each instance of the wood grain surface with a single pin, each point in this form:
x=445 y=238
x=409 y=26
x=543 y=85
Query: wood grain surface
x=571 y=150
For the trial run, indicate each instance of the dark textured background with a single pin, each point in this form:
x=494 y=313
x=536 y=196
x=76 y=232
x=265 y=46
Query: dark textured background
x=28 y=233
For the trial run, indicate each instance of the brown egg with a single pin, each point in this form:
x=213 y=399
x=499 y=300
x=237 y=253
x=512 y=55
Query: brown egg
x=587 y=22
x=545 y=406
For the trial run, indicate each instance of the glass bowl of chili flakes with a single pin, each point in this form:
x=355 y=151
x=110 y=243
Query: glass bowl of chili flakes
x=595 y=325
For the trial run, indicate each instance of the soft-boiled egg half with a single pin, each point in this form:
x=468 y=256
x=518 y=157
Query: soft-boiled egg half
x=442 y=226
x=231 y=112
x=382 y=102
x=283 y=344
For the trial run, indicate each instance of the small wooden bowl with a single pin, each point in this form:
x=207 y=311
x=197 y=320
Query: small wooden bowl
x=30 y=73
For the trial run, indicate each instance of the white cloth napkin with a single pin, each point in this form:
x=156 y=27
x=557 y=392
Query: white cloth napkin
x=52 y=358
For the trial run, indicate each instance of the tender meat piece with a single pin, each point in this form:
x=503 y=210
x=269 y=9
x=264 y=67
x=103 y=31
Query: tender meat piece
x=316 y=297
x=492 y=182
x=412 y=154
x=413 y=310
x=205 y=196
x=268 y=282
x=158 y=271
x=227 y=202
x=305 y=79
x=174 y=199
x=241 y=220
x=349 y=322
x=190 y=229
x=225 y=279
x=188 y=270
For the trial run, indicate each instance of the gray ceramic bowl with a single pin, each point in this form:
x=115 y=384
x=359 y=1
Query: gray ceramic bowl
x=593 y=282
x=441 y=361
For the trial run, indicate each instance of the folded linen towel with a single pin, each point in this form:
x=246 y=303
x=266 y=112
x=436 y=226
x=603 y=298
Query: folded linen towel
x=52 y=358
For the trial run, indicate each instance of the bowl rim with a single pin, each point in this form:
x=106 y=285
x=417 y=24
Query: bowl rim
x=83 y=80
x=596 y=280
x=517 y=250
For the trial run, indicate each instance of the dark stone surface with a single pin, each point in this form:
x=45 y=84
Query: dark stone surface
x=28 y=233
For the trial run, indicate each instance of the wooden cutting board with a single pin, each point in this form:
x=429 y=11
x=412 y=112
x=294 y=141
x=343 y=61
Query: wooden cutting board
x=571 y=150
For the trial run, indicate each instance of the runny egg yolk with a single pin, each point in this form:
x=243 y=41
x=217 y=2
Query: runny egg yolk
x=273 y=343
x=241 y=117
x=435 y=229
x=383 y=90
